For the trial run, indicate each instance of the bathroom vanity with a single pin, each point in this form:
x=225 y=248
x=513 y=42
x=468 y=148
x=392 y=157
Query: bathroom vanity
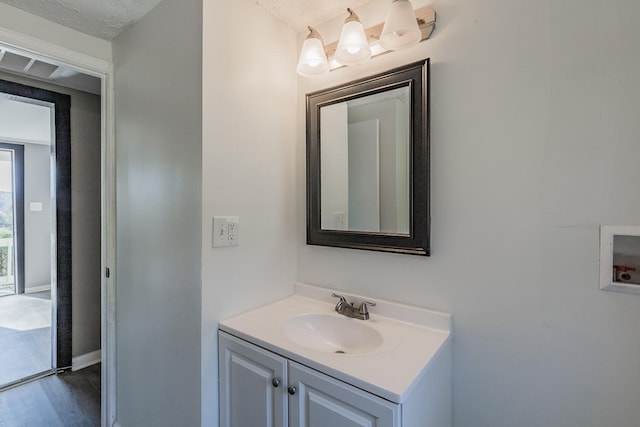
x=297 y=362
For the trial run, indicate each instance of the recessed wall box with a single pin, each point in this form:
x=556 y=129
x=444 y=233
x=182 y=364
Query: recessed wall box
x=620 y=259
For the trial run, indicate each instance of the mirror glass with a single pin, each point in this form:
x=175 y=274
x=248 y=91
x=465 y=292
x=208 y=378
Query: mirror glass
x=364 y=158
x=368 y=163
x=626 y=259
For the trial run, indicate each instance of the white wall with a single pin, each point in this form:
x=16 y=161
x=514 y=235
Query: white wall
x=534 y=144
x=24 y=122
x=158 y=94
x=18 y=21
x=248 y=169
x=334 y=153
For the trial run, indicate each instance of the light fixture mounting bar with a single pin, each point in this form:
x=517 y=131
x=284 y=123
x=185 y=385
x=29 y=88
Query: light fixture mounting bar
x=426 y=17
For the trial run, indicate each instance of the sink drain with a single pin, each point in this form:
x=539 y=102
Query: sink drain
x=340 y=352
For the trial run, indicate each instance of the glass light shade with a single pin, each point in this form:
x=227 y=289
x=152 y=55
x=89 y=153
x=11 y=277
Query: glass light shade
x=313 y=60
x=353 y=46
x=401 y=28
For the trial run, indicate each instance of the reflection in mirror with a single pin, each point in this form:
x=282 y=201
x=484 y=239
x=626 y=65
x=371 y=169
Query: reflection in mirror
x=626 y=259
x=364 y=158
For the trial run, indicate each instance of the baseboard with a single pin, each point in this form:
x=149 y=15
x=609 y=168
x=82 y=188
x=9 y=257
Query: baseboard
x=34 y=289
x=85 y=360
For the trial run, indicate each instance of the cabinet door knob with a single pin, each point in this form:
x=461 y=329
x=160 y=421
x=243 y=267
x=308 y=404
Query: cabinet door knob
x=292 y=390
x=275 y=382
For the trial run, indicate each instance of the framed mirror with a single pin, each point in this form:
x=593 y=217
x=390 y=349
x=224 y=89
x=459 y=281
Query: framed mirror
x=368 y=163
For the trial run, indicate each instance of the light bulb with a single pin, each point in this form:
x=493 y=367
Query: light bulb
x=353 y=46
x=401 y=28
x=313 y=59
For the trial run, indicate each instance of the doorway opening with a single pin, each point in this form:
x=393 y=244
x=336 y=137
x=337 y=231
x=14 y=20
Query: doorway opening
x=29 y=59
x=38 y=338
x=25 y=319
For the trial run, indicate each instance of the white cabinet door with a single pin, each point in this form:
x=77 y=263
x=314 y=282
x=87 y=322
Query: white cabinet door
x=253 y=385
x=322 y=401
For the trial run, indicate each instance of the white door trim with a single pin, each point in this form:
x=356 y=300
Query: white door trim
x=46 y=51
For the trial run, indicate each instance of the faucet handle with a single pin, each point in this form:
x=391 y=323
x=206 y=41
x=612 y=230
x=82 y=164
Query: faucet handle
x=340 y=306
x=343 y=300
x=363 y=307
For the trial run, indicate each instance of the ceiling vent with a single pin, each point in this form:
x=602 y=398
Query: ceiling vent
x=62 y=76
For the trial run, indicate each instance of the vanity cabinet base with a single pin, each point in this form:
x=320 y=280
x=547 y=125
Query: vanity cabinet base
x=261 y=388
x=324 y=401
x=247 y=375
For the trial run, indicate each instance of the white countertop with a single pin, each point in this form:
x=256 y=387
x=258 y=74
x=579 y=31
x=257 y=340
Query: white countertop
x=412 y=338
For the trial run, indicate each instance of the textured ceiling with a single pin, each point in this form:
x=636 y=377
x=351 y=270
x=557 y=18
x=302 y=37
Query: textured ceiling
x=101 y=18
x=300 y=13
x=108 y=18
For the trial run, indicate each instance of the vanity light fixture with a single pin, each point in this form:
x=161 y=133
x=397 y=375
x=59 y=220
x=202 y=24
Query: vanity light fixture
x=397 y=32
x=313 y=59
x=400 y=29
x=353 y=46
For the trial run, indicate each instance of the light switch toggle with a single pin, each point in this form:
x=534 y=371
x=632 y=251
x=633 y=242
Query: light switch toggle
x=226 y=231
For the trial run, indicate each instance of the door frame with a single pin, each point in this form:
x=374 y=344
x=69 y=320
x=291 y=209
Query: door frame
x=18 y=213
x=61 y=177
x=49 y=52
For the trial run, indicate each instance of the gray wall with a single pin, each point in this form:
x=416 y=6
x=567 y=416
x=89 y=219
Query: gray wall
x=85 y=212
x=534 y=144
x=37 y=225
x=158 y=75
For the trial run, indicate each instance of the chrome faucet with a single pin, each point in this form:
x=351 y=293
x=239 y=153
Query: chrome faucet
x=349 y=310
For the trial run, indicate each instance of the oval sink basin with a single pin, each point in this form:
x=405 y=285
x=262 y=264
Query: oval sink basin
x=340 y=335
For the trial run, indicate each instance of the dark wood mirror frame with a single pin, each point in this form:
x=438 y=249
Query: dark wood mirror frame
x=416 y=77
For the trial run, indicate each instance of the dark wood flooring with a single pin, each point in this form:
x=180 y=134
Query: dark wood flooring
x=70 y=399
x=25 y=336
x=23 y=353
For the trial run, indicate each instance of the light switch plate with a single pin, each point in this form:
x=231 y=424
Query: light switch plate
x=226 y=231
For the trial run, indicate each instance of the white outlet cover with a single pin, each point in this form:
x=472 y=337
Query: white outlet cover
x=226 y=231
